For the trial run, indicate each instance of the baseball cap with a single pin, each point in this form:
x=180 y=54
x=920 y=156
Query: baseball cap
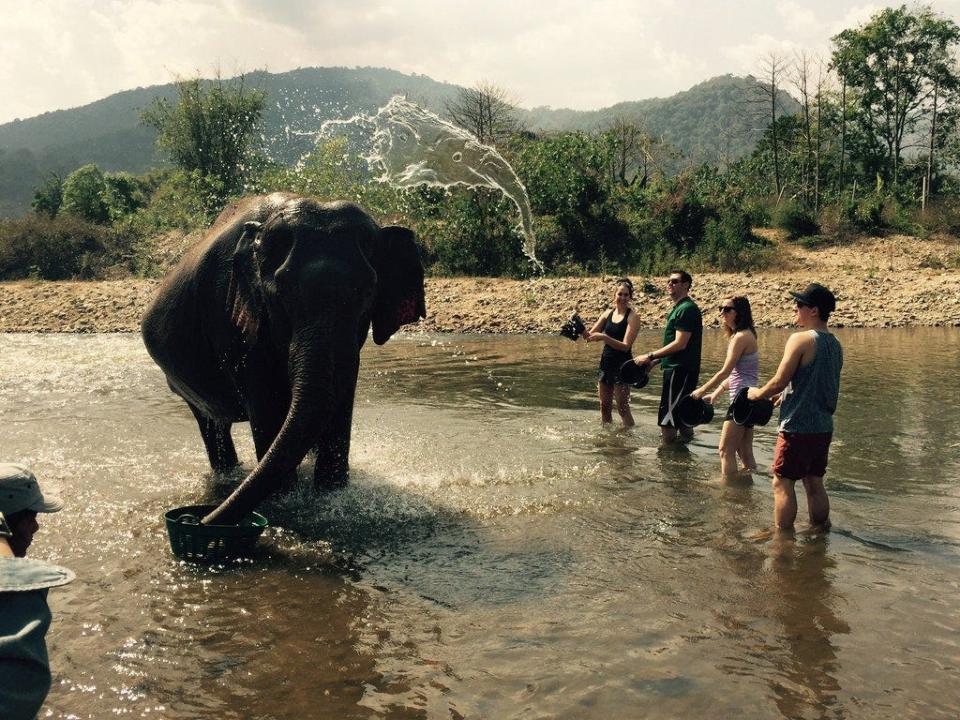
x=19 y=490
x=818 y=296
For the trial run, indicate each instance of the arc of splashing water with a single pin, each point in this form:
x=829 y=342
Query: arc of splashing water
x=411 y=146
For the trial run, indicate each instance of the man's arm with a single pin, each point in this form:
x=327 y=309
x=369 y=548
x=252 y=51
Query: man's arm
x=797 y=346
x=675 y=346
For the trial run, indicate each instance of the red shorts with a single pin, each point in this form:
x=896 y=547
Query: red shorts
x=800 y=455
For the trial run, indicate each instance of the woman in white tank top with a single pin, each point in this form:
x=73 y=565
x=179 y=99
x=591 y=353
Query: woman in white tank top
x=740 y=369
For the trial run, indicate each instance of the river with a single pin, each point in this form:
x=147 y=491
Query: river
x=499 y=554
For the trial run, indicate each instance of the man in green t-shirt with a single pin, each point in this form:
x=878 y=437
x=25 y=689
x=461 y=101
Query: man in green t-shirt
x=680 y=355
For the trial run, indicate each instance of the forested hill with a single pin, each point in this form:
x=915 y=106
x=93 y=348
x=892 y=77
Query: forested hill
x=720 y=118
x=108 y=132
x=713 y=119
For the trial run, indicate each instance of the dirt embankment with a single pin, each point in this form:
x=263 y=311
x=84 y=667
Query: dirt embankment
x=883 y=282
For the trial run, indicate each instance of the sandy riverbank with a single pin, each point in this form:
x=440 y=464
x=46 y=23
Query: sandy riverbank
x=882 y=282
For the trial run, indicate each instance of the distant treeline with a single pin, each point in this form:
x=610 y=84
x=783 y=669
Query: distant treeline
x=871 y=148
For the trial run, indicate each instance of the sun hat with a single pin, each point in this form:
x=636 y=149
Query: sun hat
x=744 y=411
x=19 y=490
x=692 y=411
x=633 y=374
x=817 y=296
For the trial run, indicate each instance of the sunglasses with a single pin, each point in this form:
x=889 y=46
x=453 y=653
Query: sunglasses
x=674 y=281
x=803 y=305
x=726 y=308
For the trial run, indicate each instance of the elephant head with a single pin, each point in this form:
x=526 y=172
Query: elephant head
x=307 y=282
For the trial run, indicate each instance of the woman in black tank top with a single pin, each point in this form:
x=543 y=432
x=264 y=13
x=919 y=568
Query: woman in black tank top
x=616 y=329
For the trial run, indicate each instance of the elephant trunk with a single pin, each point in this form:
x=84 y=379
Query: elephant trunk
x=312 y=377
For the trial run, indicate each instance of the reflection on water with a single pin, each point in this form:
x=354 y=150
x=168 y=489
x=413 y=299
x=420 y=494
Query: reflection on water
x=499 y=554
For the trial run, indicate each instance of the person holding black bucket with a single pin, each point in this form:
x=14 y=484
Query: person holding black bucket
x=679 y=357
x=809 y=377
x=616 y=328
x=740 y=370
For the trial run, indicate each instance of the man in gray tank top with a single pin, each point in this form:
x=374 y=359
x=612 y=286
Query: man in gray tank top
x=809 y=378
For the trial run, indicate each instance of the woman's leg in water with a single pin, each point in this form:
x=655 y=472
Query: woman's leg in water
x=745 y=450
x=605 y=392
x=622 y=394
x=730 y=437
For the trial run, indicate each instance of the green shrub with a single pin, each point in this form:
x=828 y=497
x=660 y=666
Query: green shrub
x=730 y=245
x=56 y=248
x=85 y=195
x=180 y=201
x=476 y=238
x=760 y=210
x=48 y=196
x=940 y=216
x=796 y=220
x=864 y=214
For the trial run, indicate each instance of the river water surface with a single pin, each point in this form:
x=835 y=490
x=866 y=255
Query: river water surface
x=498 y=553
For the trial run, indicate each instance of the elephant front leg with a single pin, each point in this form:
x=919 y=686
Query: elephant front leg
x=217 y=441
x=332 y=468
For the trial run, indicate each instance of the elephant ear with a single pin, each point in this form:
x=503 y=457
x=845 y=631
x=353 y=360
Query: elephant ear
x=243 y=295
x=400 y=298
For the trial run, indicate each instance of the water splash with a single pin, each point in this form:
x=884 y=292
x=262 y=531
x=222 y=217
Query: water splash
x=408 y=146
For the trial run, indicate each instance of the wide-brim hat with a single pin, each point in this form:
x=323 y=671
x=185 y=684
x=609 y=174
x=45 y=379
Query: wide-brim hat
x=691 y=412
x=744 y=411
x=19 y=490
x=633 y=374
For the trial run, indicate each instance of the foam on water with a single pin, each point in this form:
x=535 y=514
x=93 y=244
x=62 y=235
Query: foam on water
x=408 y=146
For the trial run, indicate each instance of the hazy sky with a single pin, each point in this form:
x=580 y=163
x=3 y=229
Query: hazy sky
x=565 y=53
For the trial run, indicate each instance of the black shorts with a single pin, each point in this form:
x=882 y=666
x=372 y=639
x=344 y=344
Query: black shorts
x=677 y=384
x=729 y=416
x=609 y=371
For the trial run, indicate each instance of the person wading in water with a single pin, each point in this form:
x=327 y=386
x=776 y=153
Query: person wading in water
x=619 y=329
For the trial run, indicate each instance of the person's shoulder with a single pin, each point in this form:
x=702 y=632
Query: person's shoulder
x=801 y=338
x=690 y=306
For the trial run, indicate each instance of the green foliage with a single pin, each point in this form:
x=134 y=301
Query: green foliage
x=56 y=248
x=796 y=220
x=942 y=216
x=478 y=239
x=85 y=194
x=210 y=130
x=94 y=196
x=177 y=200
x=891 y=64
x=729 y=244
x=864 y=214
x=567 y=178
x=48 y=197
x=760 y=210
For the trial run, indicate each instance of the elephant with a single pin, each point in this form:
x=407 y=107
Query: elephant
x=263 y=321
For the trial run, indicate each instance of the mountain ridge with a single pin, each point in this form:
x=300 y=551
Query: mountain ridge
x=107 y=132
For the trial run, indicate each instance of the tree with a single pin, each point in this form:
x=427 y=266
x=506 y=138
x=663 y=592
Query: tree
x=898 y=64
x=486 y=111
x=85 y=194
x=48 y=197
x=211 y=129
x=633 y=152
x=772 y=68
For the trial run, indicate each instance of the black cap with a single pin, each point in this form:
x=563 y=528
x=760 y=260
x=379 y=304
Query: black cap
x=818 y=296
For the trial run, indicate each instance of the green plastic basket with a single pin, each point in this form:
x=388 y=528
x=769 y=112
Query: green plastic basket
x=211 y=543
